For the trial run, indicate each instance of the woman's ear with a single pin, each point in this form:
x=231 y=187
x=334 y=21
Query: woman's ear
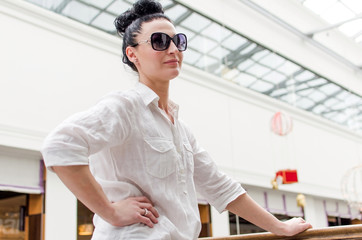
x=131 y=55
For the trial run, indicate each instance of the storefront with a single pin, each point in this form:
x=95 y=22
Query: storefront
x=21 y=194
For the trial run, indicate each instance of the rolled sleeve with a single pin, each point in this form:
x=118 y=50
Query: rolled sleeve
x=218 y=188
x=86 y=133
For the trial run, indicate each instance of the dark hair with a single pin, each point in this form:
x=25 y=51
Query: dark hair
x=129 y=23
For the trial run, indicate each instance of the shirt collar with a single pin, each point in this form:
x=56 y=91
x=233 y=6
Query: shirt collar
x=149 y=96
x=173 y=107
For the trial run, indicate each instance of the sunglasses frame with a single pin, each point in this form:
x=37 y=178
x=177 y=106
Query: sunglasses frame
x=168 y=41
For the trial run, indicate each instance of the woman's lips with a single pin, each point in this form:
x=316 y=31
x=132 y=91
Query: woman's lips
x=172 y=61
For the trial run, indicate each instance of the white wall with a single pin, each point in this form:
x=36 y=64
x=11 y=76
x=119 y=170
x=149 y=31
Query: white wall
x=220 y=223
x=50 y=70
x=52 y=67
x=60 y=210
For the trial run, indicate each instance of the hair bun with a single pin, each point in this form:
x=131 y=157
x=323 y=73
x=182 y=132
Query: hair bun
x=140 y=8
x=147 y=7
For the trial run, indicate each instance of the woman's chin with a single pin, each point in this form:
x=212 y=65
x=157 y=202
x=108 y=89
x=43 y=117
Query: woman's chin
x=175 y=72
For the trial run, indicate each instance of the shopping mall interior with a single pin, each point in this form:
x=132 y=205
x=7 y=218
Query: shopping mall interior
x=278 y=82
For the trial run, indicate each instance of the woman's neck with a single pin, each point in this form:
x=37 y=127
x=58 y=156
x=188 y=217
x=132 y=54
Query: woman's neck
x=161 y=89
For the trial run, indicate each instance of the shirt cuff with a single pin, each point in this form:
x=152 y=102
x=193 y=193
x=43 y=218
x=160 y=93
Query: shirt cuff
x=60 y=158
x=221 y=203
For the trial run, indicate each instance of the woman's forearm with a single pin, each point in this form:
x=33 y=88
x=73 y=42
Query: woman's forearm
x=83 y=185
x=245 y=207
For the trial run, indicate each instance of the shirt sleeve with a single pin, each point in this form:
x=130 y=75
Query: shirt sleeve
x=72 y=142
x=218 y=188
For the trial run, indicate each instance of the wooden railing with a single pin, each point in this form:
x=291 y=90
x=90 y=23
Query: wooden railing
x=340 y=232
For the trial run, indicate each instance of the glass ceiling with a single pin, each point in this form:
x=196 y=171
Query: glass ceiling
x=344 y=15
x=235 y=58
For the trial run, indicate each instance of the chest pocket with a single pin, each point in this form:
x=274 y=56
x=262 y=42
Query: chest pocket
x=161 y=157
x=189 y=155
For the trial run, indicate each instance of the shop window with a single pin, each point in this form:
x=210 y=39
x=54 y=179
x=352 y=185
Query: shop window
x=205 y=217
x=339 y=213
x=12 y=215
x=239 y=225
x=282 y=205
x=356 y=221
x=84 y=222
x=338 y=221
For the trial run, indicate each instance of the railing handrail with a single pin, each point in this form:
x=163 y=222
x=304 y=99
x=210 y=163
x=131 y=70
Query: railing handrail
x=340 y=232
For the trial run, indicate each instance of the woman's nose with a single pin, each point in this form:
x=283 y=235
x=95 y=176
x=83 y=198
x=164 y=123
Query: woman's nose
x=172 y=48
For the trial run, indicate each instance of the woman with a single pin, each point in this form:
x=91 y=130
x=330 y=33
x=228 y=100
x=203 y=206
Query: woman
x=130 y=159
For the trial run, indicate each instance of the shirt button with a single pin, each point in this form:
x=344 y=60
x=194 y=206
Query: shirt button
x=185 y=192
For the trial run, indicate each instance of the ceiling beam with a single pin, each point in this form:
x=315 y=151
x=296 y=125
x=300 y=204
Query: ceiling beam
x=305 y=37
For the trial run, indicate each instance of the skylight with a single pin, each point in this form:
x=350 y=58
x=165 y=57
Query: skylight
x=233 y=57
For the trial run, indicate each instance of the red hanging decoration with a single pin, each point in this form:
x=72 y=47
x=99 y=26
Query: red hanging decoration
x=281 y=124
x=287 y=176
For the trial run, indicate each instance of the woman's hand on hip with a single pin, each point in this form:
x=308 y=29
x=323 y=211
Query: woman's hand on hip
x=134 y=210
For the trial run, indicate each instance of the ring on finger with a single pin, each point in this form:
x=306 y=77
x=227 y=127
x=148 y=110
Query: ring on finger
x=146 y=211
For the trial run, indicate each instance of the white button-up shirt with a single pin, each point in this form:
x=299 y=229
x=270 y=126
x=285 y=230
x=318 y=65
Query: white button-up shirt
x=133 y=149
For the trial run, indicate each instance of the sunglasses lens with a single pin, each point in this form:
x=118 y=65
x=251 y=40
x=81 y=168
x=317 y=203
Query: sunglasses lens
x=180 y=41
x=160 y=41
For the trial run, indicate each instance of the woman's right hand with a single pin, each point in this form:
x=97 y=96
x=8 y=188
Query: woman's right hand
x=81 y=182
x=133 y=210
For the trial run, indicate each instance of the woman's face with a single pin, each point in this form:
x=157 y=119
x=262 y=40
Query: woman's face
x=155 y=65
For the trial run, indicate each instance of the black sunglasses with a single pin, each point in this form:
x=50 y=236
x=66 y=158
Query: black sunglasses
x=161 y=41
